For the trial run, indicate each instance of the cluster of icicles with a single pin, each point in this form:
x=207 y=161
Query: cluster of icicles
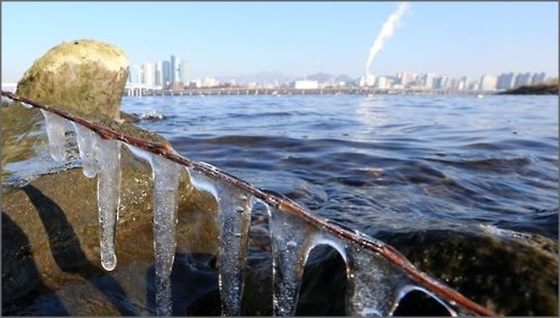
x=375 y=286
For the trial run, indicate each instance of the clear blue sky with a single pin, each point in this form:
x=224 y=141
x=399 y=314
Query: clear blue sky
x=236 y=38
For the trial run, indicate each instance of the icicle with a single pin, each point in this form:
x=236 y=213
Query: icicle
x=373 y=284
x=292 y=240
x=166 y=175
x=234 y=217
x=56 y=129
x=87 y=147
x=108 y=197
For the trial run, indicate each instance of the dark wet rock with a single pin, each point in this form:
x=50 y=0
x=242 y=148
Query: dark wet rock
x=512 y=275
x=129 y=118
x=542 y=89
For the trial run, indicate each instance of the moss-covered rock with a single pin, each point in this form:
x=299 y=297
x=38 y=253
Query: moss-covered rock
x=84 y=75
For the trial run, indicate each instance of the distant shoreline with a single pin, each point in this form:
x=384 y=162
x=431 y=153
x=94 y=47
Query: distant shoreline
x=293 y=91
x=542 y=89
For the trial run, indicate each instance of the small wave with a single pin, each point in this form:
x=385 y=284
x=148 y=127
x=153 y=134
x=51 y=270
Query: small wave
x=260 y=115
x=151 y=115
x=497 y=165
x=494 y=230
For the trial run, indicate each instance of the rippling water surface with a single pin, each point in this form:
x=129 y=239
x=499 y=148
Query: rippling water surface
x=385 y=162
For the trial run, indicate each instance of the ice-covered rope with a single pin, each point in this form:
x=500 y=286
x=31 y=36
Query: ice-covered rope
x=282 y=204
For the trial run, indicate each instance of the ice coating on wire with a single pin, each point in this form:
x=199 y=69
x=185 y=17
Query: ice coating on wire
x=56 y=129
x=87 y=147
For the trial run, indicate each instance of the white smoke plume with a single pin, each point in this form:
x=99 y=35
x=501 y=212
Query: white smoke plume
x=386 y=32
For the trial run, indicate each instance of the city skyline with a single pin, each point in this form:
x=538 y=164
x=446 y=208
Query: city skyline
x=236 y=39
x=152 y=74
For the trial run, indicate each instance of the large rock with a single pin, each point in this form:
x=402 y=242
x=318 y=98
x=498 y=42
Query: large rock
x=83 y=75
x=512 y=273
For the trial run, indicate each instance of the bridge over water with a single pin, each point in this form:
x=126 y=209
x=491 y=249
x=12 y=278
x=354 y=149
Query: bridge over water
x=292 y=91
x=10 y=87
x=157 y=90
x=130 y=89
x=140 y=89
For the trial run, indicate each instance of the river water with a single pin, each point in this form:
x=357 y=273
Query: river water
x=383 y=162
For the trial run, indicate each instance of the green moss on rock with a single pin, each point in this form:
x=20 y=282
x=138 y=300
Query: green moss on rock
x=84 y=75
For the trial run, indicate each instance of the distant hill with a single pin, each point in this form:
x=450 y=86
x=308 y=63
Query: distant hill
x=270 y=77
x=325 y=77
x=261 y=77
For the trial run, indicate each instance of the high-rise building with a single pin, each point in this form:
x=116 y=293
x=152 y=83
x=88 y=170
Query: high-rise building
x=382 y=82
x=488 y=82
x=463 y=83
x=166 y=74
x=441 y=82
x=523 y=80
x=158 y=74
x=174 y=69
x=148 y=73
x=538 y=78
x=453 y=83
x=428 y=80
x=183 y=77
x=405 y=78
x=506 y=81
x=134 y=75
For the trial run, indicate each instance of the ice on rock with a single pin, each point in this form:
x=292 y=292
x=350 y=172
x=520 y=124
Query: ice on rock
x=166 y=175
x=56 y=129
x=373 y=284
x=87 y=146
x=234 y=217
x=108 y=197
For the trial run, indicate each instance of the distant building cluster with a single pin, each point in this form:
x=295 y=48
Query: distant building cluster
x=172 y=75
x=161 y=74
x=487 y=82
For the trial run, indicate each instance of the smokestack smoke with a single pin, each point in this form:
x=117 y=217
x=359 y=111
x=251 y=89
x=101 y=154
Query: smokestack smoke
x=386 y=32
